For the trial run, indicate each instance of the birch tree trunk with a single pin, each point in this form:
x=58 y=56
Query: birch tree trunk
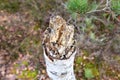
x=59 y=49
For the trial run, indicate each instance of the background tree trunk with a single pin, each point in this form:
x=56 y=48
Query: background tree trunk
x=59 y=49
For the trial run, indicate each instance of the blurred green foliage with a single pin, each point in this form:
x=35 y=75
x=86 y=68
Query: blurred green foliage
x=10 y=6
x=115 y=5
x=27 y=74
x=89 y=67
x=80 y=6
x=88 y=73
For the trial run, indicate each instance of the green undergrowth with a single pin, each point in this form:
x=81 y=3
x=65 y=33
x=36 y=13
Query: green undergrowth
x=80 y=6
x=27 y=74
x=90 y=68
x=10 y=6
x=116 y=6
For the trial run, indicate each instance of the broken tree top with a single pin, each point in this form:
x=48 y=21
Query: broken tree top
x=58 y=41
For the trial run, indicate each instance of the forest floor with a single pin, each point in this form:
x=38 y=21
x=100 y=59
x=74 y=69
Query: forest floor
x=25 y=64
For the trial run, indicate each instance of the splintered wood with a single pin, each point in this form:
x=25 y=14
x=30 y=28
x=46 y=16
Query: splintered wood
x=58 y=41
x=59 y=49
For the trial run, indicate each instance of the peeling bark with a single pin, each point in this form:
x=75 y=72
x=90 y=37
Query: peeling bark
x=59 y=49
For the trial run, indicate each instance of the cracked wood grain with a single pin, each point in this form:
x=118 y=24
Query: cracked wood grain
x=59 y=49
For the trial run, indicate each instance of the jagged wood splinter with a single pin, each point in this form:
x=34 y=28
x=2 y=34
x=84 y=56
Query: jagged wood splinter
x=59 y=49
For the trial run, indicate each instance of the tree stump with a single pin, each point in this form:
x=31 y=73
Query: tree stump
x=59 y=49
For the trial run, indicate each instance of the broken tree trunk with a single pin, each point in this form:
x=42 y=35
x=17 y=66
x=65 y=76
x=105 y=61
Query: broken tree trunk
x=59 y=49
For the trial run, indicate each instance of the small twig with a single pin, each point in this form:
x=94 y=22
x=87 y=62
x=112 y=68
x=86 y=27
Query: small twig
x=34 y=4
x=69 y=19
x=107 y=7
x=101 y=20
x=94 y=11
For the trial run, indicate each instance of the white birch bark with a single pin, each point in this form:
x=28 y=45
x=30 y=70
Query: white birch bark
x=59 y=49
